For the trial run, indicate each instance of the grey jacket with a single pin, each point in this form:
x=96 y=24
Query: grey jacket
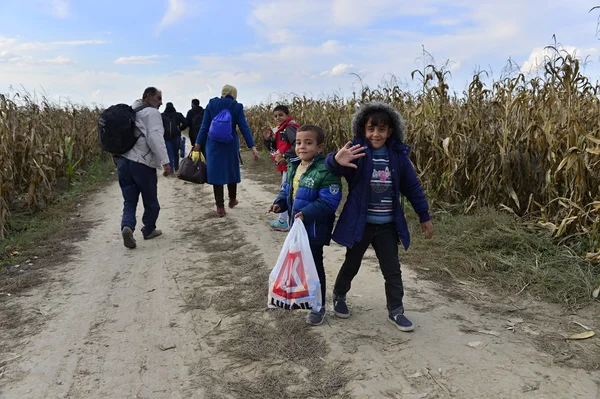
x=150 y=149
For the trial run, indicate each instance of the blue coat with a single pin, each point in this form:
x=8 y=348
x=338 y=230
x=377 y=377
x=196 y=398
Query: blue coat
x=318 y=197
x=353 y=220
x=351 y=224
x=222 y=159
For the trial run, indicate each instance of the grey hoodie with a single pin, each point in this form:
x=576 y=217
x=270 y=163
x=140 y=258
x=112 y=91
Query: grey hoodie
x=150 y=149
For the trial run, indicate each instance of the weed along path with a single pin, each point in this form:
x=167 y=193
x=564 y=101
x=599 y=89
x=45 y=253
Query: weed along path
x=184 y=316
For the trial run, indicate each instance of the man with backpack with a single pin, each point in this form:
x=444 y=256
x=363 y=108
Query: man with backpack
x=173 y=124
x=137 y=167
x=194 y=120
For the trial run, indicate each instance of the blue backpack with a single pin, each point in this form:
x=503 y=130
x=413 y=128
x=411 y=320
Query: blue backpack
x=221 y=127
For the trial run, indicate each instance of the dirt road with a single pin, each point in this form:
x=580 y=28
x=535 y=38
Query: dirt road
x=183 y=316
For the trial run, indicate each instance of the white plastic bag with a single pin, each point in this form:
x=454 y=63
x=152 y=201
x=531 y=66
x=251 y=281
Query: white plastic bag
x=294 y=282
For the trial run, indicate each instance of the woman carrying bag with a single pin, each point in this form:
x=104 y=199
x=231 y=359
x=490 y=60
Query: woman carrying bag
x=219 y=141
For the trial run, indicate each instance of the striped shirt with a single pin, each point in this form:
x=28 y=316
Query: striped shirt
x=381 y=205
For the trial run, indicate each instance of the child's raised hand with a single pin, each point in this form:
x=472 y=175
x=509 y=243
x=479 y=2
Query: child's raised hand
x=275 y=209
x=347 y=154
x=427 y=228
x=267 y=132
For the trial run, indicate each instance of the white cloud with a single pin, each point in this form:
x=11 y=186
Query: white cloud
x=43 y=46
x=337 y=70
x=540 y=55
x=326 y=17
x=139 y=59
x=60 y=60
x=60 y=8
x=7 y=57
x=175 y=11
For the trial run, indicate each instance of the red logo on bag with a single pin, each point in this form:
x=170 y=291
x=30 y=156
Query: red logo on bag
x=291 y=281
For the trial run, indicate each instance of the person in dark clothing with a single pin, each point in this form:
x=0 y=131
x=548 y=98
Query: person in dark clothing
x=173 y=123
x=379 y=172
x=194 y=120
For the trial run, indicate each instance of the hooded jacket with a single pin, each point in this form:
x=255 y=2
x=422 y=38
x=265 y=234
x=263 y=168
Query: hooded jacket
x=150 y=148
x=319 y=194
x=352 y=221
x=176 y=118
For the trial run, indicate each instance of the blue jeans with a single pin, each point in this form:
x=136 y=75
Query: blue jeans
x=136 y=178
x=173 y=146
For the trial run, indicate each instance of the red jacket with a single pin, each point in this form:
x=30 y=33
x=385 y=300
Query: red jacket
x=285 y=141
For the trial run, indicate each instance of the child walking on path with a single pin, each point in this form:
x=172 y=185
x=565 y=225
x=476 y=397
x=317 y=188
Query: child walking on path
x=311 y=194
x=282 y=143
x=378 y=170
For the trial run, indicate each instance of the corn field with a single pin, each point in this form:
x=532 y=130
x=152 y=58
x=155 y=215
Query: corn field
x=40 y=144
x=527 y=145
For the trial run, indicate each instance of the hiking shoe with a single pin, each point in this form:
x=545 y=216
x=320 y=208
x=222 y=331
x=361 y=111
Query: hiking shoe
x=340 y=308
x=221 y=211
x=128 y=239
x=401 y=322
x=315 y=318
x=233 y=203
x=277 y=225
x=155 y=233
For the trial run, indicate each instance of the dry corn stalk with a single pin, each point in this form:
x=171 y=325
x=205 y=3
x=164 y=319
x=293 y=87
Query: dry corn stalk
x=530 y=145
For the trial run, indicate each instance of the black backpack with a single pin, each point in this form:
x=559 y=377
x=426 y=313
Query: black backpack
x=170 y=124
x=116 y=128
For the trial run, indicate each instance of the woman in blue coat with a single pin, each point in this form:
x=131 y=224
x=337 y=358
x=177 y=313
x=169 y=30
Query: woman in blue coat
x=222 y=159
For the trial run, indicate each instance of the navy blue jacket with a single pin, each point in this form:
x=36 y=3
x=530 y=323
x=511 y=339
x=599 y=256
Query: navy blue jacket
x=352 y=222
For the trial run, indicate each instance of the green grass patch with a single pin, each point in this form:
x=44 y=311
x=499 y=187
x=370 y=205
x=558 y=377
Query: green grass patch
x=44 y=237
x=507 y=254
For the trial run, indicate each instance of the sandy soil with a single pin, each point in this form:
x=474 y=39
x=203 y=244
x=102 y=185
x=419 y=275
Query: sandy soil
x=164 y=321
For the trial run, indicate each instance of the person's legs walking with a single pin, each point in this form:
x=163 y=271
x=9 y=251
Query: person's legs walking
x=171 y=152
x=219 y=192
x=176 y=149
x=147 y=180
x=232 y=191
x=131 y=194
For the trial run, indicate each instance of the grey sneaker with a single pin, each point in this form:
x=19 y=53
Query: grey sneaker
x=128 y=239
x=316 y=318
x=155 y=233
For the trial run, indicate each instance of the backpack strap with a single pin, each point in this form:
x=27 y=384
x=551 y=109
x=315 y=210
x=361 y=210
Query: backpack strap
x=141 y=107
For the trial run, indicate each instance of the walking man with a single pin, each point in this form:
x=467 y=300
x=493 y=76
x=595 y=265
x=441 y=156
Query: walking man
x=137 y=168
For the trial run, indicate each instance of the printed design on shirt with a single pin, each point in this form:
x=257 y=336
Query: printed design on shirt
x=381 y=180
x=334 y=189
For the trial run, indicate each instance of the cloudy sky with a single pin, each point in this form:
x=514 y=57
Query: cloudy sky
x=106 y=52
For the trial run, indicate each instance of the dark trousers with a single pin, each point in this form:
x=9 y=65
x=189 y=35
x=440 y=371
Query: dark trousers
x=384 y=239
x=136 y=178
x=219 y=191
x=173 y=146
x=317 y=253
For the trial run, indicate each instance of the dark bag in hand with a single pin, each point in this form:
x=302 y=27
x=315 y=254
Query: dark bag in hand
x=194 y=172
